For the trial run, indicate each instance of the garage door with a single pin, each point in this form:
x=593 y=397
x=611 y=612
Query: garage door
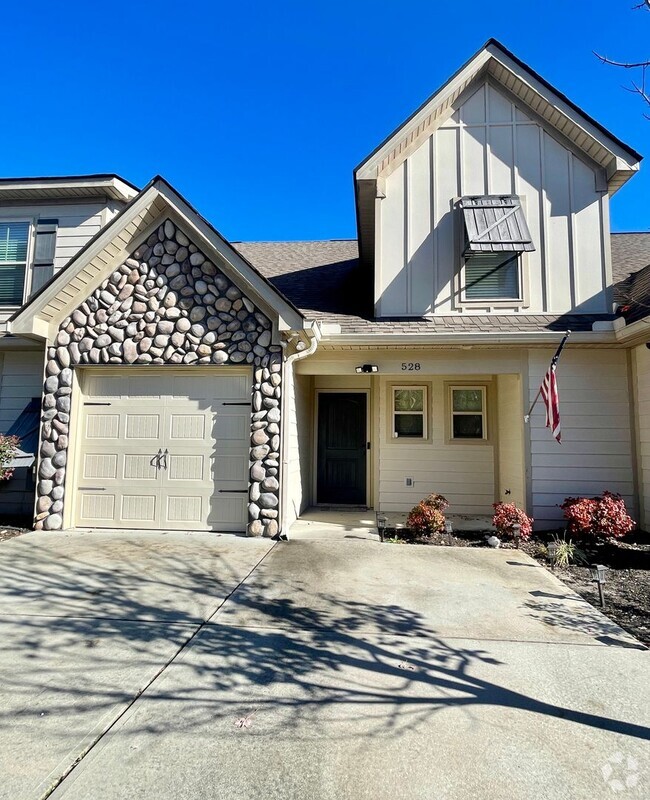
x=163 y=450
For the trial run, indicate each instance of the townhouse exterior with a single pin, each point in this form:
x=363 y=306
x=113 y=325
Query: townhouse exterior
x=169 y=378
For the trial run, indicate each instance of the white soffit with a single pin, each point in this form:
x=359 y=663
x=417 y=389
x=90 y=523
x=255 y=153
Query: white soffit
x=600 y=147
x=113 y=244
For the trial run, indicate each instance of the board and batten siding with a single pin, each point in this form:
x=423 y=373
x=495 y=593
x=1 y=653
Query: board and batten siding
x=491 y=146
x=596 y=453
x=463 y=472
x=77 y=224
x=641 y=371
x=21 y=379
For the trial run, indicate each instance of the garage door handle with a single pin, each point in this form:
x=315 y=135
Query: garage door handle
x=163 y=459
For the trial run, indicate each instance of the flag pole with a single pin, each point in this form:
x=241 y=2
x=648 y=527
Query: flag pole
x=554 y=360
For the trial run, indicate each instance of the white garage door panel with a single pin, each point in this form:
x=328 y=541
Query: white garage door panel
x=201 y=425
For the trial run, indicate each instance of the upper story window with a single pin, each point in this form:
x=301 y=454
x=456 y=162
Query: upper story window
x=14 y=246
x=496 y=234
x=23 y=269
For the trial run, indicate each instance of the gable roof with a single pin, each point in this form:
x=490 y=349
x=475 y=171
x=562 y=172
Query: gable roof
x=40 y=316
x=527 y=87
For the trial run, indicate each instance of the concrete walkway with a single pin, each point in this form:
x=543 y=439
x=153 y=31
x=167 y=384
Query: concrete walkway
x=198 y=666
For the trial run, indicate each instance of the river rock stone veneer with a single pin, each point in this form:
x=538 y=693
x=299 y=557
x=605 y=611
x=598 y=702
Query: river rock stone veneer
x=166 y=304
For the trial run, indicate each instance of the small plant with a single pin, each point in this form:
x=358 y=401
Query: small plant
x=605 y=516
x=427 y=516
x=8 y=449
x=567 y=553
x=506 y=515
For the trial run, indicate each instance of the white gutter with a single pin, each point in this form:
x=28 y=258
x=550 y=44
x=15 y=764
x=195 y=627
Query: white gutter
x=546 y=338
x=315 y=335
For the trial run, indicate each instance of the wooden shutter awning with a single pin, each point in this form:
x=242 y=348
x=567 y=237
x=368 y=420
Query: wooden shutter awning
x=495 y=224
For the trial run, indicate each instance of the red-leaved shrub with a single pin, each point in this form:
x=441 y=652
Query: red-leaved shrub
x=602 y=517
x=8 y=448
x=508 y=514
x=427 y=516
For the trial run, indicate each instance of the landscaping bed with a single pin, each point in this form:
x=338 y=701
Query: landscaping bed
x=9 y=531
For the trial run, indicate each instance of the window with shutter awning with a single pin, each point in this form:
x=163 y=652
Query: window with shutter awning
x=496 y=233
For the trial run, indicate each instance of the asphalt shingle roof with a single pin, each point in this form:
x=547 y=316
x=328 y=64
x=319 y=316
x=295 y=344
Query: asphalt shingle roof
x=326 y=281
x=631 y=270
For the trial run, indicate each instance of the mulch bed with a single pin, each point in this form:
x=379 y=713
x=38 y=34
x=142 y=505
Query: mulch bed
x=8 y=532
x=627 y=586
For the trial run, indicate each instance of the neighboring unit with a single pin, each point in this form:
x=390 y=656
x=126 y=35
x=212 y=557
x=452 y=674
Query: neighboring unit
x=187 y=382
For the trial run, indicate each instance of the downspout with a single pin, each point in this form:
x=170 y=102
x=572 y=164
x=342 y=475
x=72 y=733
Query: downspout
x=301 y=352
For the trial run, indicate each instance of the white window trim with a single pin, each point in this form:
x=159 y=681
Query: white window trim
x=424 y=413
x=452 y=413
x=28 y=257
x=492 y=301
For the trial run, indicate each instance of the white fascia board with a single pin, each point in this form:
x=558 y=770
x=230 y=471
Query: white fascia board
x=636 y=333
x=368 y=169
x=484 y=339
x=627 y=160
x=264 y=293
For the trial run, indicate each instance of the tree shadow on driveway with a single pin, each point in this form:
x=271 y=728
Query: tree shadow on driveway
x=376 y=669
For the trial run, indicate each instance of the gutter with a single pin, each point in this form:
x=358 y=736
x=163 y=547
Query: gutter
x=314 y=334
x=546 y=338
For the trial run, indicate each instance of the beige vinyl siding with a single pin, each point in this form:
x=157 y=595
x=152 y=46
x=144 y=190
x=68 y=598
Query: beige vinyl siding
x=462 y=471
x=298 y=429
x=596 y=451
x=78 y=223
x=510 y=444
x=491 y=146
x=21 y=379
x=641 y=364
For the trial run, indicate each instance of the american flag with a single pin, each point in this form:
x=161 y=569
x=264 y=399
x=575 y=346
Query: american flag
x=548 y=392
x=552 y=400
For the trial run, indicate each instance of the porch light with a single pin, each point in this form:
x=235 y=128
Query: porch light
x=552 y=553
x=598 y=574
x=381 y=525
x=516 y=533
x=365 y=368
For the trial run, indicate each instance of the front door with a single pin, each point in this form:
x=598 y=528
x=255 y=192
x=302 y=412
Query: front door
x=342 y=446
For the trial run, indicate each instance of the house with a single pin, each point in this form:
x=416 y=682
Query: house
x=190 y=382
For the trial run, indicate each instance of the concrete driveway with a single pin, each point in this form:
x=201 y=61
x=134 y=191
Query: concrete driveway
x=194 y=666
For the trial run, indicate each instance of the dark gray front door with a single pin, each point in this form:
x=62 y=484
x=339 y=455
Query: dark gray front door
x=341 y=475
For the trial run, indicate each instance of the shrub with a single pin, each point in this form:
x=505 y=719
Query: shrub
x=8 y=448
x=508 y=514
x=427 y=516
x=567 y=553
x=605 y=516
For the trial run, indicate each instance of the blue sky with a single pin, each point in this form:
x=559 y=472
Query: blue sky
x=257 y=112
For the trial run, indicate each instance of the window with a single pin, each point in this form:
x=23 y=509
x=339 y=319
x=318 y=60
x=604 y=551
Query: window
x=492 y=276
x=409 y=412
x=468 y=420
x=496 y=234
x=14 y=240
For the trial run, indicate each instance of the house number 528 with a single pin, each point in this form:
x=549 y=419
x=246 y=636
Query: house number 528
x=410 y=366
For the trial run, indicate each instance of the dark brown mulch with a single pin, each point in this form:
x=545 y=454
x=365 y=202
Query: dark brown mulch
x=9 y=532
x=627 y=586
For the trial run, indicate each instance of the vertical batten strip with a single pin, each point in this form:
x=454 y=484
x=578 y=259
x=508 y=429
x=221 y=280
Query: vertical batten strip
x=406 y=245
x=432 y=212
x=573 y=283
x=543 y=204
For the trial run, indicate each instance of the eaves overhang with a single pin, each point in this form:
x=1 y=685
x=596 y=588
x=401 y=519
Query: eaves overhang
x=551 y=107
x=70 y=188
x=114 y=243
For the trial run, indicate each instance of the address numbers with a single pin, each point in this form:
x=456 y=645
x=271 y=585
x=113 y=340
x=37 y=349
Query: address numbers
x=410 y=366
